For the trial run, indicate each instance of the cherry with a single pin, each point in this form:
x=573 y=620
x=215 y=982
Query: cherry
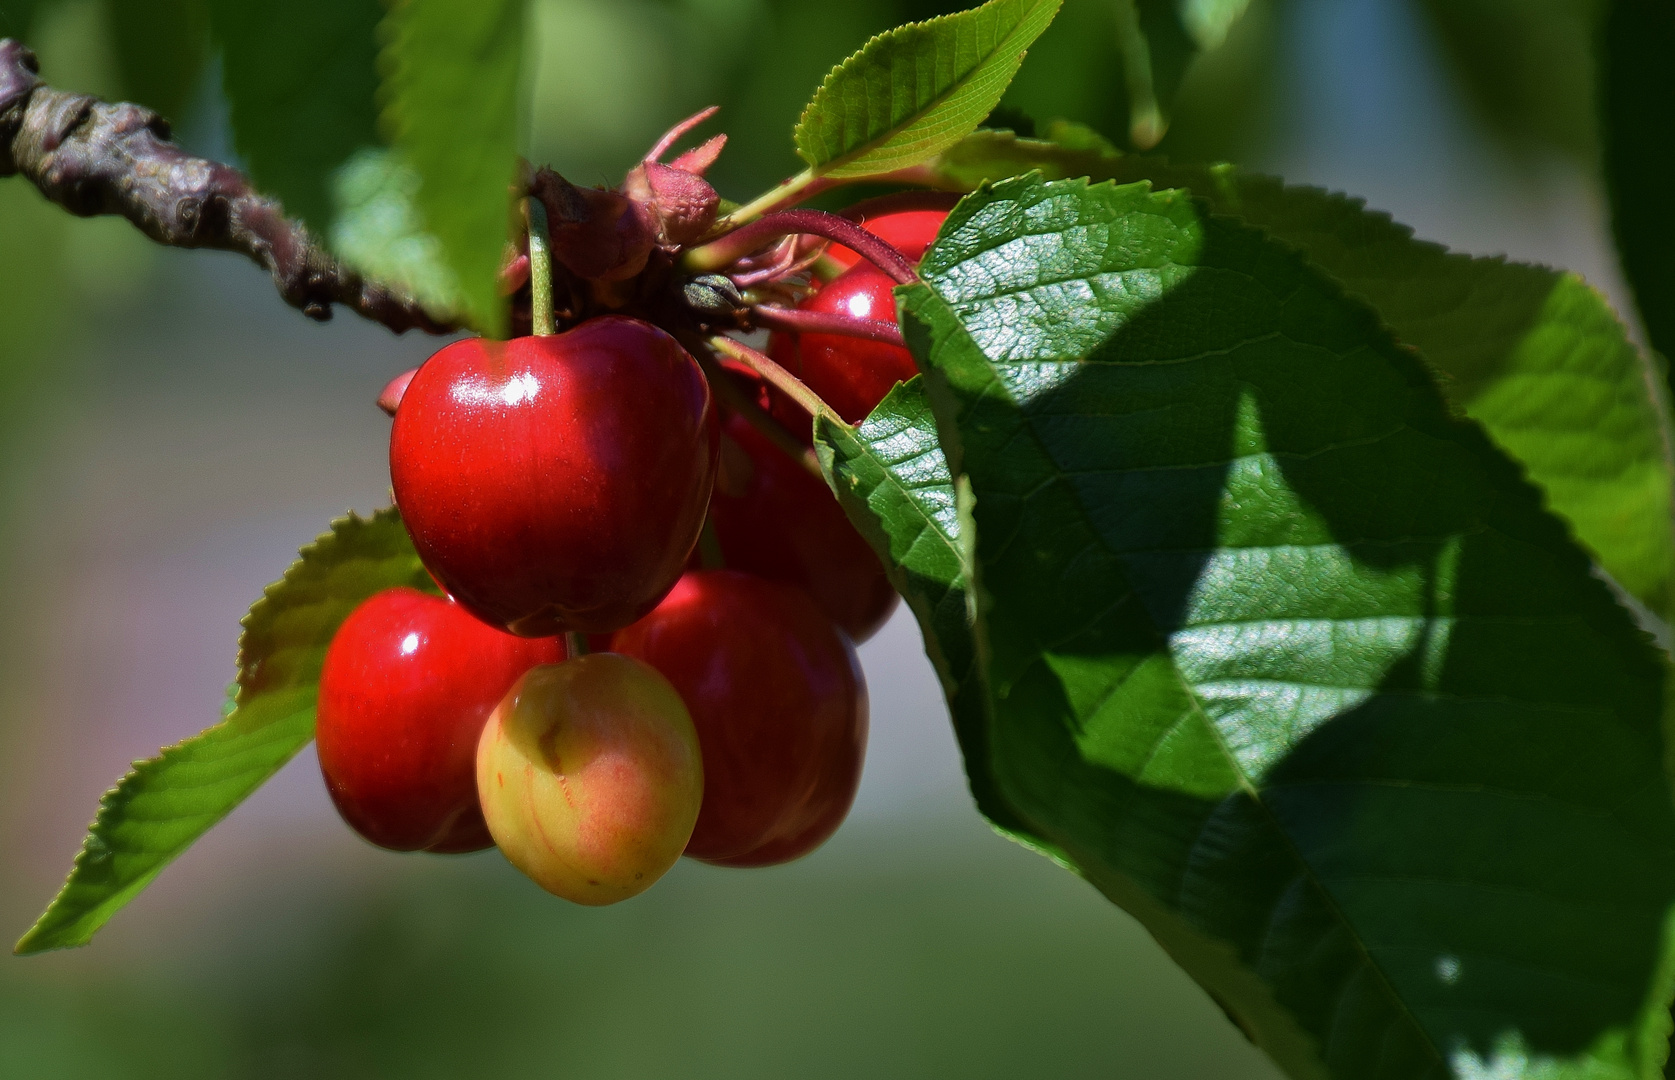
x=590 y=777
x=774 y=520
x=908 y=220
x=851 y=374
x=556 y=483
x=407 y=684
x=776 y=694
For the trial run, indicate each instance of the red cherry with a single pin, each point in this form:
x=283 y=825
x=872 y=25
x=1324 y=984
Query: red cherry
x=776 y=694
x=908 y=221
x=408 y=682
x=851 y=374
x=774 y=520
x=556 y=483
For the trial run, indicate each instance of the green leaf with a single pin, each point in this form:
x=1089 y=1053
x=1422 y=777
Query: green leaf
x=167 y=802
x=892 y=478
x=451 y=92
x=1534 y=354
x=1290 y=661
x=379 y=232
x=1637 y=98
x=301 y=79
x=914 y=91
x=160 y=47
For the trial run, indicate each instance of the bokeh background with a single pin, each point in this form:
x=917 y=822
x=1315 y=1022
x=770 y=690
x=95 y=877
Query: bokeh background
x=170 y=433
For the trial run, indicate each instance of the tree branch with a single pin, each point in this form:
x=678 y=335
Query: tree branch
x=95 y=158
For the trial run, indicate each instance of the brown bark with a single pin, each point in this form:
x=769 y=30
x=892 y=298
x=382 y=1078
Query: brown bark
x=93 y=158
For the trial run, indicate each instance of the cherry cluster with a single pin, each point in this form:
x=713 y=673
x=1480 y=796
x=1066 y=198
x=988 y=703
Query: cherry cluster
x=645 y=646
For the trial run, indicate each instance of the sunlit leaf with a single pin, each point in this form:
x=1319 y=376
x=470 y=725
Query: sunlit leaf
x=161 y=807
x=452 y=70
x=1534 y=354
x=918 y=89
x=1289 y=662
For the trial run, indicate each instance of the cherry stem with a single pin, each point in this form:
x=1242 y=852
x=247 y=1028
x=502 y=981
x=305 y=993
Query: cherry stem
x=757 y=417
x=575 y=644
x=540 y=271
x=788 y=193
x=823 y=322
x=782 y=380
x=719 y=254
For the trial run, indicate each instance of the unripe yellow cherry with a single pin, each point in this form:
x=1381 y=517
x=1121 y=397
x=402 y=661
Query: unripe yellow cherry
x=590 y=777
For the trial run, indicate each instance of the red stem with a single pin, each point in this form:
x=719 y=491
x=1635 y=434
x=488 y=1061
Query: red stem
x=821 y=322
x=741 y=242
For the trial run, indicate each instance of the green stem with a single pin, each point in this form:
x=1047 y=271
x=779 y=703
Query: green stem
x=540 y=273
x=727 y=391
x=575 y=643
x=793 y=387
x=789 y=193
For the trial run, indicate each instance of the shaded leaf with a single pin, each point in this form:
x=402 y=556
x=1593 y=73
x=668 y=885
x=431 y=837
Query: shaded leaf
x=301 y=80
x=1291 y=662
x=911 y=92
x=161 y=807
x=160 y=47
x=1637 y=99
x=452 y=70
x=1534 y=354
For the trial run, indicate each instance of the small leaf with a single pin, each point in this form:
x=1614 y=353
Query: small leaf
x=1534 y=354
x=160 y=46
x=1637 y=99
x=1291 y=662
x=451 y=100
x=301 y=79
x=914 y=91
x=160 y=808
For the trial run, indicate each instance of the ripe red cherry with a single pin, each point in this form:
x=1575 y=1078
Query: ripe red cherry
x=851 y=374
x=908 y=221
x=408 y=682
x=776 y=694
x=556 y=483
x=774 y=520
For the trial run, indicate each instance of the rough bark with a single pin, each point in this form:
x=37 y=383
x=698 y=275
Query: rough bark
x=93 y=158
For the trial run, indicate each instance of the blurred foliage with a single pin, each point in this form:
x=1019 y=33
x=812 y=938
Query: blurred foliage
x=895 y=959
x=1526 y=66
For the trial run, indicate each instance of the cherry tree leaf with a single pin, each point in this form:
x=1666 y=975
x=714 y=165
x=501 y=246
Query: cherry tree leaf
x=160 y=51
x=165 y=803
x=451 y=90
x=1534 y=354
x=1277 y=652
x=301 y=81
x=914 y=91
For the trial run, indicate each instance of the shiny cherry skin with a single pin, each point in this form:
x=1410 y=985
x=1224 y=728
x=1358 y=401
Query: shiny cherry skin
x=556 y=483
x=590 y=777
x=908 y=221
x=773 y=519
x=408 y=682
x=851 y=374
x=776 y=694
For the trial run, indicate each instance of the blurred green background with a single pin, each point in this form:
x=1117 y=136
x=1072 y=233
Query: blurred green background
x=171 y=433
